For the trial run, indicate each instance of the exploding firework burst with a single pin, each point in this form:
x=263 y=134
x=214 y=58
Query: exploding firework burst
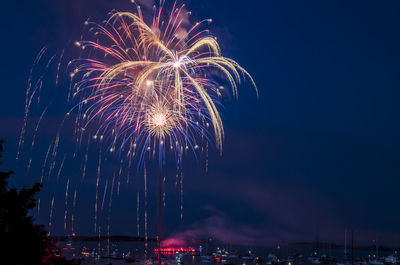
x=142 y=85
x=150 y=86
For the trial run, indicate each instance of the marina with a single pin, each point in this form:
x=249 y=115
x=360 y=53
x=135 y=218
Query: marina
x=136 y=253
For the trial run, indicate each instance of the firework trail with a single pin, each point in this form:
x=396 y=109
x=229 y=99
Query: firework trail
x=84 y=164
x=54 y=154
x=109 y=216
x=98 y=240
x=104 y=195
x=34 y=138
x=51 y=214
x=97 y=193
x=118 y=187
x=44 y=164
x=73 y=213
x=30 y=95
x=109 y=205
x=61 y=166
x=28 y=100
x=137 y=215
x=58 y=67
x=145 y=207
x=66 y=206
x=181 y=182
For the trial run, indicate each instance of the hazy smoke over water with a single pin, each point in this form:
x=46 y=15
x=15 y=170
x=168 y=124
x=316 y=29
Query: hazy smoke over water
x=222 y=229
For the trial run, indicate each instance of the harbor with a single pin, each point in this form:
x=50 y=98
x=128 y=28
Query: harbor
x=138 y=253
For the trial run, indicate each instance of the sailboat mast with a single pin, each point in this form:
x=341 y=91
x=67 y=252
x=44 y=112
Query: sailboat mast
x=159 y=217
x=352 y=247
x=345 y=242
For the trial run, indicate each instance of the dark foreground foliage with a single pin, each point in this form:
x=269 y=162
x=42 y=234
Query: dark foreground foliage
x=21 y=241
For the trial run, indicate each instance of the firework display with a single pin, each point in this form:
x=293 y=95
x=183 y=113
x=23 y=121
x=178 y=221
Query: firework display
x=143 y=88
x=150 y=86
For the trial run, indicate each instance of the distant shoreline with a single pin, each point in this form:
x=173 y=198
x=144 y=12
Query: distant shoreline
x=310 y=245
x=103 y=238
x=325 y=246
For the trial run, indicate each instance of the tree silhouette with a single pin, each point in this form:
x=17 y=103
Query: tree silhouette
x=21 y=241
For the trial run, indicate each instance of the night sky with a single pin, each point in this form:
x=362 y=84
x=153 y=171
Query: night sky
x=317 y=152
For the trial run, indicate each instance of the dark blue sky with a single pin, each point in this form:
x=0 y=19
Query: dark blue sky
x=319 y=150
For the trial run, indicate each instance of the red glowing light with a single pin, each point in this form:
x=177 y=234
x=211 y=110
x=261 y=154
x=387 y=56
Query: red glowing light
x=174 y=250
